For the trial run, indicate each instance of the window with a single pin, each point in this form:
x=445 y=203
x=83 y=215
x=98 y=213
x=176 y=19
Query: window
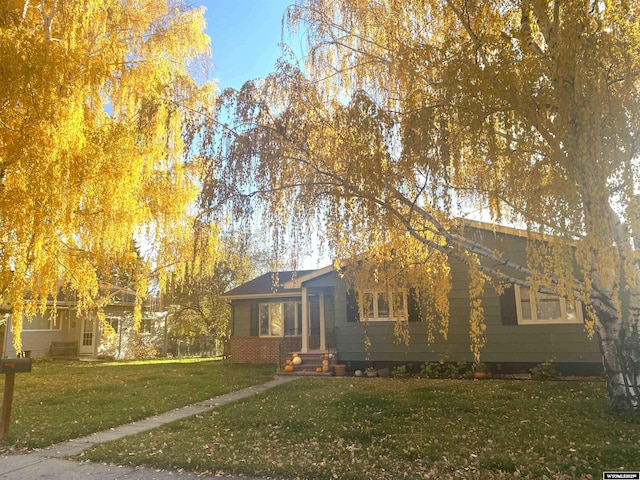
x=548 y=308
x=114 y=322
x=280 y=319
x=377 y=307
x=146 y=325
x=42 y=322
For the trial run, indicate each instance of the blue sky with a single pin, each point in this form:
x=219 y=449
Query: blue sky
x=244 y=38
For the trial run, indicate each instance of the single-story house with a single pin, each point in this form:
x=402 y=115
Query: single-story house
x=313 y=311
x=71 y=334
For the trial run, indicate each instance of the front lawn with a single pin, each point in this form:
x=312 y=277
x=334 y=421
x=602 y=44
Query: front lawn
x=62 y=400
x=385 y=428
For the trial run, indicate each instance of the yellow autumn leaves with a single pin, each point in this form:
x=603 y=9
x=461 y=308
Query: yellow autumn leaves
x=407 y=114
x=96 y=97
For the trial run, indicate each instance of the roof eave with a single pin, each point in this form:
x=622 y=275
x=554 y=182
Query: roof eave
x=251 y=296
x=298 y=281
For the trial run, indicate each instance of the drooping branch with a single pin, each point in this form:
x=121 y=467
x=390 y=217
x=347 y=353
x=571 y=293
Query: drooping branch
x=465 y=23
x=528 y=109
x=47 y=18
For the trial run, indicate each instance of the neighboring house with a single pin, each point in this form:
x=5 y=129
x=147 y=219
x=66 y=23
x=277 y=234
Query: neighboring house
x=312 y=310
x=73 y=335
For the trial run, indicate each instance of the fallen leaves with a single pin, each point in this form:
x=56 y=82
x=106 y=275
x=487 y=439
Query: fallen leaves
x=416 y=429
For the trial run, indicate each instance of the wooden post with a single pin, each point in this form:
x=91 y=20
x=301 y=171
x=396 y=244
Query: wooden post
x=5 y=420
x=305 y=321
x=323 y=328
x=10 y=366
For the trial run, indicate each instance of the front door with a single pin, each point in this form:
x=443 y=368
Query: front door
x=88 y=336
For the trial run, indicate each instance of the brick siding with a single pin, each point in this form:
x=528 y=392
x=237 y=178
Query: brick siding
x=255 y=350
x=267 y=349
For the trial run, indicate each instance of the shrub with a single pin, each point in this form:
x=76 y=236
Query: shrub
x=142 y=346
x=480 y=367
x=399 y=371
x=545 y=371
x=444 y=370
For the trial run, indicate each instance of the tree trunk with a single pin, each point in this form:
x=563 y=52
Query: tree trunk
x=619 y=328
x=620 y=347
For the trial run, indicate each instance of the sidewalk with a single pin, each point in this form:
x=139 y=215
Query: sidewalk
x=50 y=463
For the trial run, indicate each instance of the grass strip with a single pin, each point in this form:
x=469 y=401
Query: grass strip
x=61 y=400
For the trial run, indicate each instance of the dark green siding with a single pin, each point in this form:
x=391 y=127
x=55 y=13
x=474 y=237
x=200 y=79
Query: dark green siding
x=507 y=342
x=245 y=316
x=242 y=318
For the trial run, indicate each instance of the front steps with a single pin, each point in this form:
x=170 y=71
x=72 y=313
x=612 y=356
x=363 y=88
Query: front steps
x=310 y=362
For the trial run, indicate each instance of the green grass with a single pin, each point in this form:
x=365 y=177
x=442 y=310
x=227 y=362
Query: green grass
x=385 y=428
x=62 y=400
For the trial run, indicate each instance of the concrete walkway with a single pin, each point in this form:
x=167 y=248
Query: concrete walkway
x=51 y=463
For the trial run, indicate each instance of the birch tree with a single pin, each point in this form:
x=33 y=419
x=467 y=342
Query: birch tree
x=410 y=111
x=98 y=110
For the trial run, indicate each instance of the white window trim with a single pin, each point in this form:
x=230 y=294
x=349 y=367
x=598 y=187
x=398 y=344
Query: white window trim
x=296 y=321
x=392 y=314
x=563 y=312
x=111 y=319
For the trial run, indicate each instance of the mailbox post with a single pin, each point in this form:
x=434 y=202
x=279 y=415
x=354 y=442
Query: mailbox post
x=9 y=367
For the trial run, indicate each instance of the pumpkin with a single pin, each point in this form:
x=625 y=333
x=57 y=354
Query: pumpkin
x=319 y=369
x=297 y=360
x=288 y=368
x=287 y=361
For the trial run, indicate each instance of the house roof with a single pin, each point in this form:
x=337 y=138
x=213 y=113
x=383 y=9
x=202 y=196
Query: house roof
x=298 y=280
x=68 y=297
x=290 y=282
x=269 y=284
x=496 y=228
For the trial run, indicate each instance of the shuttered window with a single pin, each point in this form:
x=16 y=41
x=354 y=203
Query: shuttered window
x=352 y=307
x=508 y=308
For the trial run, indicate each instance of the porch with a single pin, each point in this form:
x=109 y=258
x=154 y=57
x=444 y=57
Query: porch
x=277 y=350
x=296 y=314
